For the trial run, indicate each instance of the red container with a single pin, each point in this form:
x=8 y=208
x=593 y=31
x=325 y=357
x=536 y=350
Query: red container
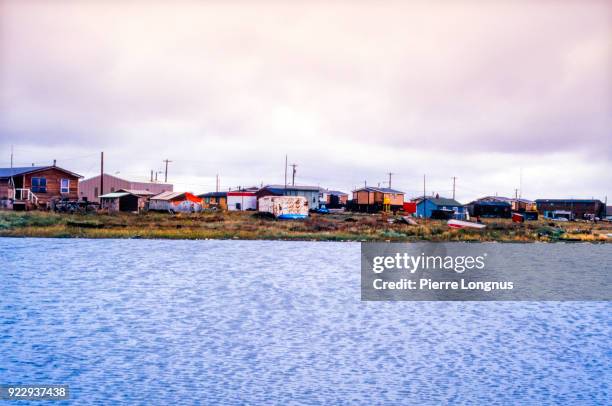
x=410 y=207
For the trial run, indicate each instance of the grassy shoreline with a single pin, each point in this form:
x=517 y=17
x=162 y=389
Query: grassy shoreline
x=248 y=226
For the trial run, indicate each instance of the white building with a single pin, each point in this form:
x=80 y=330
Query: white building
x=241 y=200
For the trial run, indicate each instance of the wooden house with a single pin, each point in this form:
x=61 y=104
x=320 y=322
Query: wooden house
x=37 y=186
x=215 y=199
x=373 y=199
x=441 y=208
x=578 y=208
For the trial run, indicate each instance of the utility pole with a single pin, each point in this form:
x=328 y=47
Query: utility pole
x=285 y=171
x=167 y=161
x=151 y=175
x=11 y=157
x=365 y=183
x=424 y=199
x=293 y=174
x=217 y=184
x=521 y=182
x=101 y=173
x=454 y=184
x=516 y=194
x=389 y=179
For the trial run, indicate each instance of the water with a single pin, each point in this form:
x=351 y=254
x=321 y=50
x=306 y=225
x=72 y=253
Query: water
x=232 y=322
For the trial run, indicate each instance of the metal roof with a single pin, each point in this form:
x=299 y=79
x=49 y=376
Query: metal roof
x=114 y=195
x=442 y=201
x=137 y=192
x=214 y=194
x=293 y=187
x=336 y=193
x=8 y=172
x=568 y=201
x=167 y=195
x=379 y=189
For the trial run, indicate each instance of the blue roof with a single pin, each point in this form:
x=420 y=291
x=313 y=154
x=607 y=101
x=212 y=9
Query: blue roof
x=8 y=172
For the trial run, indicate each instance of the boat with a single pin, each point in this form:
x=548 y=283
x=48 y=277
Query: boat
x=465 y=224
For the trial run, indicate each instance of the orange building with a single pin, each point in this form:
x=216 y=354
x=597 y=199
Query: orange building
x=373 y=199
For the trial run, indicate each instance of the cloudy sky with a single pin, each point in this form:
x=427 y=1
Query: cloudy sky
x=477 y=90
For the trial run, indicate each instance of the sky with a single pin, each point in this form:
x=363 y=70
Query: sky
x=501 y=95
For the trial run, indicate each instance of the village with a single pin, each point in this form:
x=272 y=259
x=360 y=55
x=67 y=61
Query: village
x=367 y=213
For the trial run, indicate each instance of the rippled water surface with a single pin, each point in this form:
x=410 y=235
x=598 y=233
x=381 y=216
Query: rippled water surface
x=189 y=322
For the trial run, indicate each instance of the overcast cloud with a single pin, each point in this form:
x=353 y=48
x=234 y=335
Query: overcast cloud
x=476 y=90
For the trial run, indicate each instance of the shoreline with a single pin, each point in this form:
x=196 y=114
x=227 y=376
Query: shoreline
x=344 y=227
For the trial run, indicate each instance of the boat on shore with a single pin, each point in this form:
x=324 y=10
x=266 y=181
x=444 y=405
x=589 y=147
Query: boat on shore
x=465 y=224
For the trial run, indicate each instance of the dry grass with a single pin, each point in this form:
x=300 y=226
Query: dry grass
x=240 y=225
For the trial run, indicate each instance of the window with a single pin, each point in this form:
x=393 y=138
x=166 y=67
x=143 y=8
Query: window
x=39 y=185
x=64 y=185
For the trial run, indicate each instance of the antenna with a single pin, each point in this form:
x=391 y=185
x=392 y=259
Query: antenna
x=390 y=174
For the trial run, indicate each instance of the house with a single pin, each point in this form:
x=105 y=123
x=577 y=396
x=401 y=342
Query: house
x=492 y=207
x=578 y=208
x=439 y=208
x=89 y=189
x=313 y=194
x=173 y=202
x=215 y=199
x=126 y=200
x=36 y=186
x=284 y=207
x=373 y=199
x=243 y=199
x=335 y=199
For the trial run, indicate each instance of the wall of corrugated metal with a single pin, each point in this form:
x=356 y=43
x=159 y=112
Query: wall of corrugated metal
x=88 y=187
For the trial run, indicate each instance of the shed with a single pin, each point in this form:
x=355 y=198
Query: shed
x=313 y=194
x=119 y=201
x=215 y=199
x=241 y=200
x=284 y=207
x=183 y=202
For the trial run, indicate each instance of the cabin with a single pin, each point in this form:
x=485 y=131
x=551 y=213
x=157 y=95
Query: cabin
x=242 y=199
x=176 y=202
x=440 y=208
x=90 y=189
x=30 y=187
x=491 y=207
x=373 y=199
x=126 y=200
x=583 y=209
x=215 y=199
x=313 y=194
x=335 y=199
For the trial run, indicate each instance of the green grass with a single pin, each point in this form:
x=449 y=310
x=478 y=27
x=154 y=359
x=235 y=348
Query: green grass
x=236 y=225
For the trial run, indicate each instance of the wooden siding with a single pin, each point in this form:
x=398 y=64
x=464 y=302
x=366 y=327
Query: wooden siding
x=53 y=177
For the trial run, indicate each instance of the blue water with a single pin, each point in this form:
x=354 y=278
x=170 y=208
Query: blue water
x=233 y=322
